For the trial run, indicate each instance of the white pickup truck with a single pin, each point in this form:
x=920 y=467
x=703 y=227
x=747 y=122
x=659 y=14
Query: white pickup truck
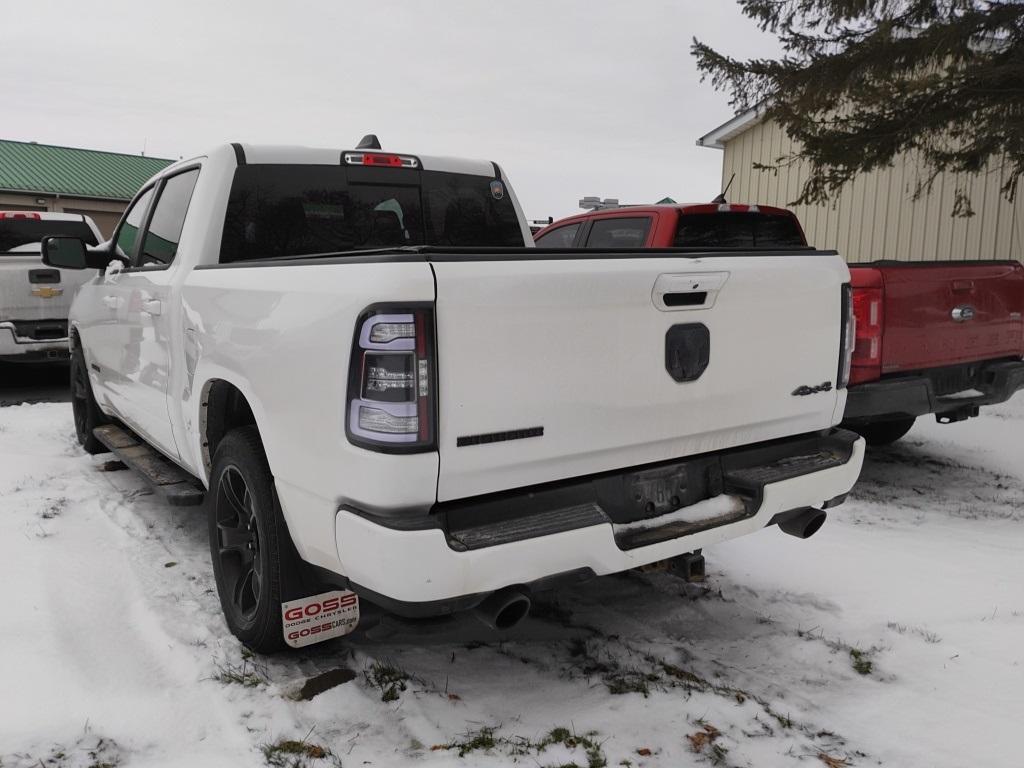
x=34 y=299
x=384 y=392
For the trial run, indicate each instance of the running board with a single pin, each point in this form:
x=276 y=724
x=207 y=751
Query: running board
x=177 y=486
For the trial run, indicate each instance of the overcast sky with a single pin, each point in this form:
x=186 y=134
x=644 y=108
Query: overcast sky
x=572 y=98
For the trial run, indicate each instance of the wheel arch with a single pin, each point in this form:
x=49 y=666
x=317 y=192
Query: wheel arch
x=223 y=406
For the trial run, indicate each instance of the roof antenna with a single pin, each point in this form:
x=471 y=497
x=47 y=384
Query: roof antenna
x=721 y=198
x=369 y=141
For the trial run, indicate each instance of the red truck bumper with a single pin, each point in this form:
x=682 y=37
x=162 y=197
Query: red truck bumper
x=955 y=393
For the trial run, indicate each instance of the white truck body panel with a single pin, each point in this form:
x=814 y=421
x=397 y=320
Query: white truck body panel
x=596 y=379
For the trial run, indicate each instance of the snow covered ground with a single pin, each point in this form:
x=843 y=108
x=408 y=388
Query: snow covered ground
x=894 y=637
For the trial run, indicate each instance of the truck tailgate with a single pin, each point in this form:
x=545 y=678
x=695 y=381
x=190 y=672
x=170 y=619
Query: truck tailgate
x=554 y=367
x=940 y=315
x=29 y=290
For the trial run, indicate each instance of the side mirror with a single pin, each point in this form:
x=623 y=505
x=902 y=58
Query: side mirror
x=72 y=253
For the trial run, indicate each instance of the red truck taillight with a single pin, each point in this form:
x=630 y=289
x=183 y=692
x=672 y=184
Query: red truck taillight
x=867 y=353
x=392 y=380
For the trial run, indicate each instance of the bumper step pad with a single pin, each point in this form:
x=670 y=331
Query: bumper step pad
x=528 y=527
x=165 y=477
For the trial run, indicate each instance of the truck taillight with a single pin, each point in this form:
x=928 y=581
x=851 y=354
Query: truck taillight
x=391 y=388
x=848 y=324
x=867 y=352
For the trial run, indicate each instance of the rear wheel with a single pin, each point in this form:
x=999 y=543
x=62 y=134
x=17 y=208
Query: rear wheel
x=885 y=432
x=87 y=413
x=246 y=532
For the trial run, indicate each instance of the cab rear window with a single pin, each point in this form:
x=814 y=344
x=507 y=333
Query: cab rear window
x=736 y=229
x=19 y=232
x=294 y=210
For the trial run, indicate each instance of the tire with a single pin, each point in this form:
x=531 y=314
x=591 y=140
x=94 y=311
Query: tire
x=882 y=433
x=87 y=413
x=247 y=533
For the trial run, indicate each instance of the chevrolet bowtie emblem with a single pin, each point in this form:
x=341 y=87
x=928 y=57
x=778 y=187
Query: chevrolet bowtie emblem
x=46 y=292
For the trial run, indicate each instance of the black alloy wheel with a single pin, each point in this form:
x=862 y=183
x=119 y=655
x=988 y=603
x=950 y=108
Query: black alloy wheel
x=247 y=533
x=87 y=413
x=238 y=544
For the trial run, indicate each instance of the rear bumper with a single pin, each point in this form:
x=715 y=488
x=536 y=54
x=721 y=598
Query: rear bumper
x=918 y=394
x=23 y=349
x=454 y=565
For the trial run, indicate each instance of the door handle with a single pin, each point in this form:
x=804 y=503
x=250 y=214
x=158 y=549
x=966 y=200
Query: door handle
x=152 y=307
x=112 y=302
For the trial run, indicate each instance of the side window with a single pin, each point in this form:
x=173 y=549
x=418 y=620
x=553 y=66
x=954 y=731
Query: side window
x=129 y=231
x=563 y=237
x=619 y=232
x=164 y=231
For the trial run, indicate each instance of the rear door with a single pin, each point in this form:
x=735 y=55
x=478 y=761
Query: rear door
x=938 y=315
x=143 y=315
x=562 y=366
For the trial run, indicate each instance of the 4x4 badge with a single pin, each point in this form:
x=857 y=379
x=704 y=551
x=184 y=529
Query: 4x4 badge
x=801 y=391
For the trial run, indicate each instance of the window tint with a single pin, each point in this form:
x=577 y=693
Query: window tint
x=129 y=232
x=292 y=210
x=619 y=232
x=164 y=232
x=466 y=210
x=563 y=237
x=17 y=233
x=736 y=229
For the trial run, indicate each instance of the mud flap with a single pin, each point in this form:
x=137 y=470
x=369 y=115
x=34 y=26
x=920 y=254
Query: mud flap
x=320 y=617
x=310 y=611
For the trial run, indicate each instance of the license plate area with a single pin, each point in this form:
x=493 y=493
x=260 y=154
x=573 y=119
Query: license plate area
x=658 y=490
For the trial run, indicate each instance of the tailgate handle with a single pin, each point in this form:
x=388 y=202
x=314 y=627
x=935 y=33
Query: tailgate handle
x=37 y=276
x=690 y=299
x=673 y=293
x=963 y=285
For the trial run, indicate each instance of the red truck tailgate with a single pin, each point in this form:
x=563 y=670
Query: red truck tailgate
x=944 y=314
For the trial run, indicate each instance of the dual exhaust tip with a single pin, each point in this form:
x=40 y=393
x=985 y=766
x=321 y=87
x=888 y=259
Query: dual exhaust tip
x=506 y=608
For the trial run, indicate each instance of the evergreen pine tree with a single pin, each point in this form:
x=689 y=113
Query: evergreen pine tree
x=860 y=82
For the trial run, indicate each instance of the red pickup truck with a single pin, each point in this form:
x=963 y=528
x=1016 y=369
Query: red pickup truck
x=932 y=337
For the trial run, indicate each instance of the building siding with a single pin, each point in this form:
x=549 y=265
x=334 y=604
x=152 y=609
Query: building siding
x=875 y=216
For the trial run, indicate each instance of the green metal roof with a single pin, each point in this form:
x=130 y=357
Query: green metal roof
x=45 y=169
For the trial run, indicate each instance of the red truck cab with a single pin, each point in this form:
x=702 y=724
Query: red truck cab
x=932 y=337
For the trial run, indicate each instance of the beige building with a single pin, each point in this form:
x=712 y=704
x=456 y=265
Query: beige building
x=41 y=177
x=875 y=216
